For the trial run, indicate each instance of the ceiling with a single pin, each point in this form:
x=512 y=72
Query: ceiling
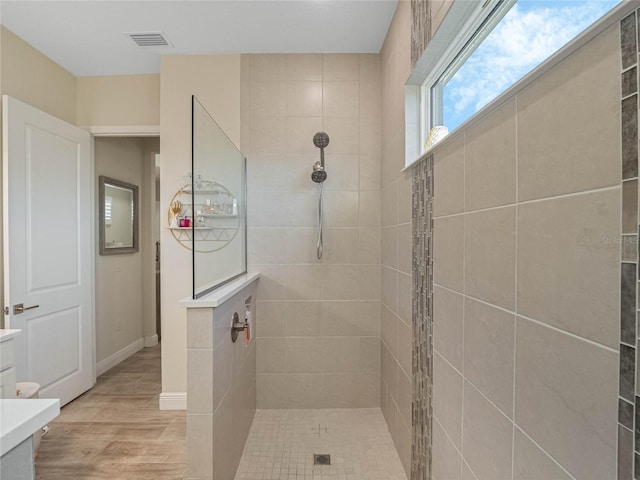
x=88 y=37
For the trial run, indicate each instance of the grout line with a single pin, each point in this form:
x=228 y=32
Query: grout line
x=544 y=451
x=539 y=322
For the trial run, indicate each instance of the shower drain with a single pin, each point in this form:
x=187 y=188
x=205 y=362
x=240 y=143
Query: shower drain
x=321 y=459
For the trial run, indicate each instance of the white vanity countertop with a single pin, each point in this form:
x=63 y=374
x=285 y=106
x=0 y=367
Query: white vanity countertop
x=222 y=294
x=8 y=334
x=20 y=418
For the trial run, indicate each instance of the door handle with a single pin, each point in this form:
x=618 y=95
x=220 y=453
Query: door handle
x=20 y=308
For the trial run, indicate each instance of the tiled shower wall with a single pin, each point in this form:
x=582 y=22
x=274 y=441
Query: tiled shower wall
x=396 y=385
x=527 y=279
x=318 y=339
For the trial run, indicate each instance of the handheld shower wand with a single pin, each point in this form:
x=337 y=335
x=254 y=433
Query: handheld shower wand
x=319 y=175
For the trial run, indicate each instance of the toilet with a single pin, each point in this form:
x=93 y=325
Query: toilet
x=29 y=390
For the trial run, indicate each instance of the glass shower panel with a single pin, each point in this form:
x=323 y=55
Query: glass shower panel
x=218 y=193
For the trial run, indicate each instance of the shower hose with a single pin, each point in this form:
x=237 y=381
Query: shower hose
x=320 y=245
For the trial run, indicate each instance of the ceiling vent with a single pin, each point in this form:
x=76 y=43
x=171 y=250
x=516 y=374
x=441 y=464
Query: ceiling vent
x=149 y=39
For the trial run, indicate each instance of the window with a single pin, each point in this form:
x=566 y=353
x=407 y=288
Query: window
x=507 y=40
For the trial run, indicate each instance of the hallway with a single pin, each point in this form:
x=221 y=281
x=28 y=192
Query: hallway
x=115 y=430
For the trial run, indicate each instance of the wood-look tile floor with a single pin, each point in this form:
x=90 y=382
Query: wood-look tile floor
x=116 y=431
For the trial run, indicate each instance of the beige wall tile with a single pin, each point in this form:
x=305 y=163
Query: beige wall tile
x=299 y=132
x=389 y=207
x=304 y=355
x=268 y=134
x=490 y=256
x=390 y=247
x=448 y=325
x=369 y=353
x=303 y=99
x=267 y=173
x=272 y=390
x=199 y=381
x=370 y=100
x=268 y=67
x=340 y=209
x=344 y=135
x=343 y=172
x=340 y=390
x=557 y=270
x=448 y=177
x=369 y=282
x=567 y=379
x=369 y=209
x=369 y=245
x=272 y=281
x=389 y=330
x=200 y=331
x=341 y=99
x=369 y=67
x=304 y=67
x=340 y=282
x=304 y=282
x=488 y=437
x=556 y=137
x=223 y=450
x=300 y=210
x=389 y=292
x=266 y=245
x=222 y=370
x=403 y=446
x=300 y=245
x=370 y=318
x=265 y=208
x=303 y=319
x=340 y=354
x=447 y=398
x=340 y=245
x=405 y=300
x=405 y=348
x=341 y=318
x=304 y=390
x=268 y=99
x=200 y=445
x=490 y=160
x=271 y=355
x=446 y=459
x=448 y=252
x=340 y=67
x=370 y=171
x=531 y=463
x=405 y=248
x=405 y=394
x=488 y=352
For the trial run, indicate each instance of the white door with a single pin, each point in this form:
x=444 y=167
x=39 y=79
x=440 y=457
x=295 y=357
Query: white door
x=48 y=249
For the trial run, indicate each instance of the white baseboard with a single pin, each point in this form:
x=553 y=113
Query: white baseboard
x=113 y=360
x=151 y=341
x=173 y=401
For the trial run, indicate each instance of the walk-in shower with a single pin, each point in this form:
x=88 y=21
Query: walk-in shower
x=319 y=175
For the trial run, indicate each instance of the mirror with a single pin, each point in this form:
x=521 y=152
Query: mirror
x=118 y=217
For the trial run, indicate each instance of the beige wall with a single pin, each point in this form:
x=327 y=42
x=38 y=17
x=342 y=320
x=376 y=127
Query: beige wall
x=396 y=331
x=119 y=100
x=31 y=77
x=35 y=79
x=215 y=80
x=318 y=335
x=119 y=278
x=527 y=287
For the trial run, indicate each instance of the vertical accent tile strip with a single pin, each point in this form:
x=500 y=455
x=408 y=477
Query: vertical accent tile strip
x=628 y=41
x=422 y=319
x=630 y=137
x=420 y=28
x=629 y=403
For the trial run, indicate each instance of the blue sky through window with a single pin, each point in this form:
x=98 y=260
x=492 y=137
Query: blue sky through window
x=528 y=34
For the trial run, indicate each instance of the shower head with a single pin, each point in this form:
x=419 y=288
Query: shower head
x=319 y=174
x=321 y=139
